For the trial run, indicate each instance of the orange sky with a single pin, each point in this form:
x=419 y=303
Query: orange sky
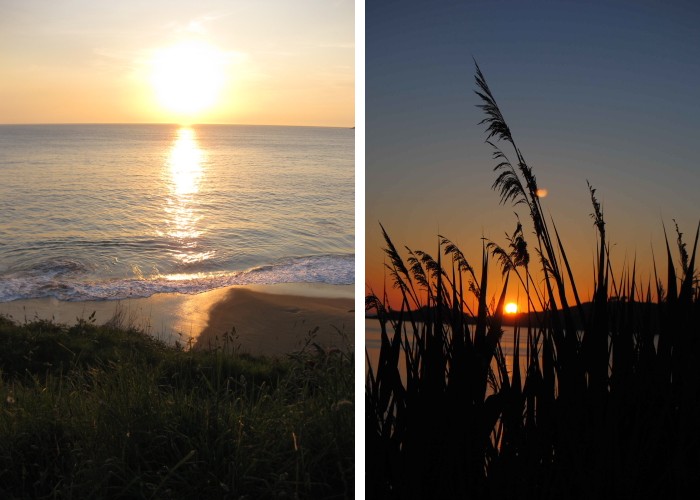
x=281 y=63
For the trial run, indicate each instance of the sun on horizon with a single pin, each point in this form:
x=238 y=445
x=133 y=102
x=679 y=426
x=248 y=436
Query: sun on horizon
x=511 y=308
x=188 y=77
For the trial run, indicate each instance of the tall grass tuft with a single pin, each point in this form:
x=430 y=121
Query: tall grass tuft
x=99 y=412
x=597 y=399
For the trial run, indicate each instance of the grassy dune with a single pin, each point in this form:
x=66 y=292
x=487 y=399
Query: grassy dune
x=106 y=412
x=607 y=404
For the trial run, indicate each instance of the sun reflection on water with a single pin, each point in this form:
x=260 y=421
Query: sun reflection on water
x=184 y=174
x=185 y=162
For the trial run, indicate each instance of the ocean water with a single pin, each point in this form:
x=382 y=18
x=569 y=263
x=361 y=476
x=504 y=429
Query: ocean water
x=90 y=212
x=373 y=343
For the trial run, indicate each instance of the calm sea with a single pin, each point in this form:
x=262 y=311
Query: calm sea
x=373 y=345
x=91 y=212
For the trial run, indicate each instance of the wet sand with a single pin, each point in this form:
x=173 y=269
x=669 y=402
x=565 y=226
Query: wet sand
x=272 y=323
x=268 y=319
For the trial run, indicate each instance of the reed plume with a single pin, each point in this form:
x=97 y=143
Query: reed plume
x=596 y=400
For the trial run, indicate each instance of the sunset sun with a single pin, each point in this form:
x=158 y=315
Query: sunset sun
x=188 y=77
x=511 y=308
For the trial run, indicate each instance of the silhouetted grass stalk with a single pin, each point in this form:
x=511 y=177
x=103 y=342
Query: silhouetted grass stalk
x=608 y=401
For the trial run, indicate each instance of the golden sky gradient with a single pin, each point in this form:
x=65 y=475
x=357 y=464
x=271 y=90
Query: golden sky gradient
x=279 y=62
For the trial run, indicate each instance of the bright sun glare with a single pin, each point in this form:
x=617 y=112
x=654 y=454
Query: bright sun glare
x=188 y=77
x=511 y=308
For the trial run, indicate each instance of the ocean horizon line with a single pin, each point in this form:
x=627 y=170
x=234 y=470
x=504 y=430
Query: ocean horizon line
x=174 y=124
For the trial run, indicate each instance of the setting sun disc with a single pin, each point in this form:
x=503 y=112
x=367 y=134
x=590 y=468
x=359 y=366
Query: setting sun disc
x=188 y=77
x=511 y=308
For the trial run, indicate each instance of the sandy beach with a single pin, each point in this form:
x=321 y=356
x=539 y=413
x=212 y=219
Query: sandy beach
x=268 y=319
x=274 y=323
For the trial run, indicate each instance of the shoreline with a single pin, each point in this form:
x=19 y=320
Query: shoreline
x=268 y=319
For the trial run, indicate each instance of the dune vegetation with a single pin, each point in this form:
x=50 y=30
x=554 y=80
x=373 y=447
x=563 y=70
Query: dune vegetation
x=110 y=412
x=593 y=400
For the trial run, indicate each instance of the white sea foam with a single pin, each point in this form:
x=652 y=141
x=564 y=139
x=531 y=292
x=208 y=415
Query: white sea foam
x=328 y=269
